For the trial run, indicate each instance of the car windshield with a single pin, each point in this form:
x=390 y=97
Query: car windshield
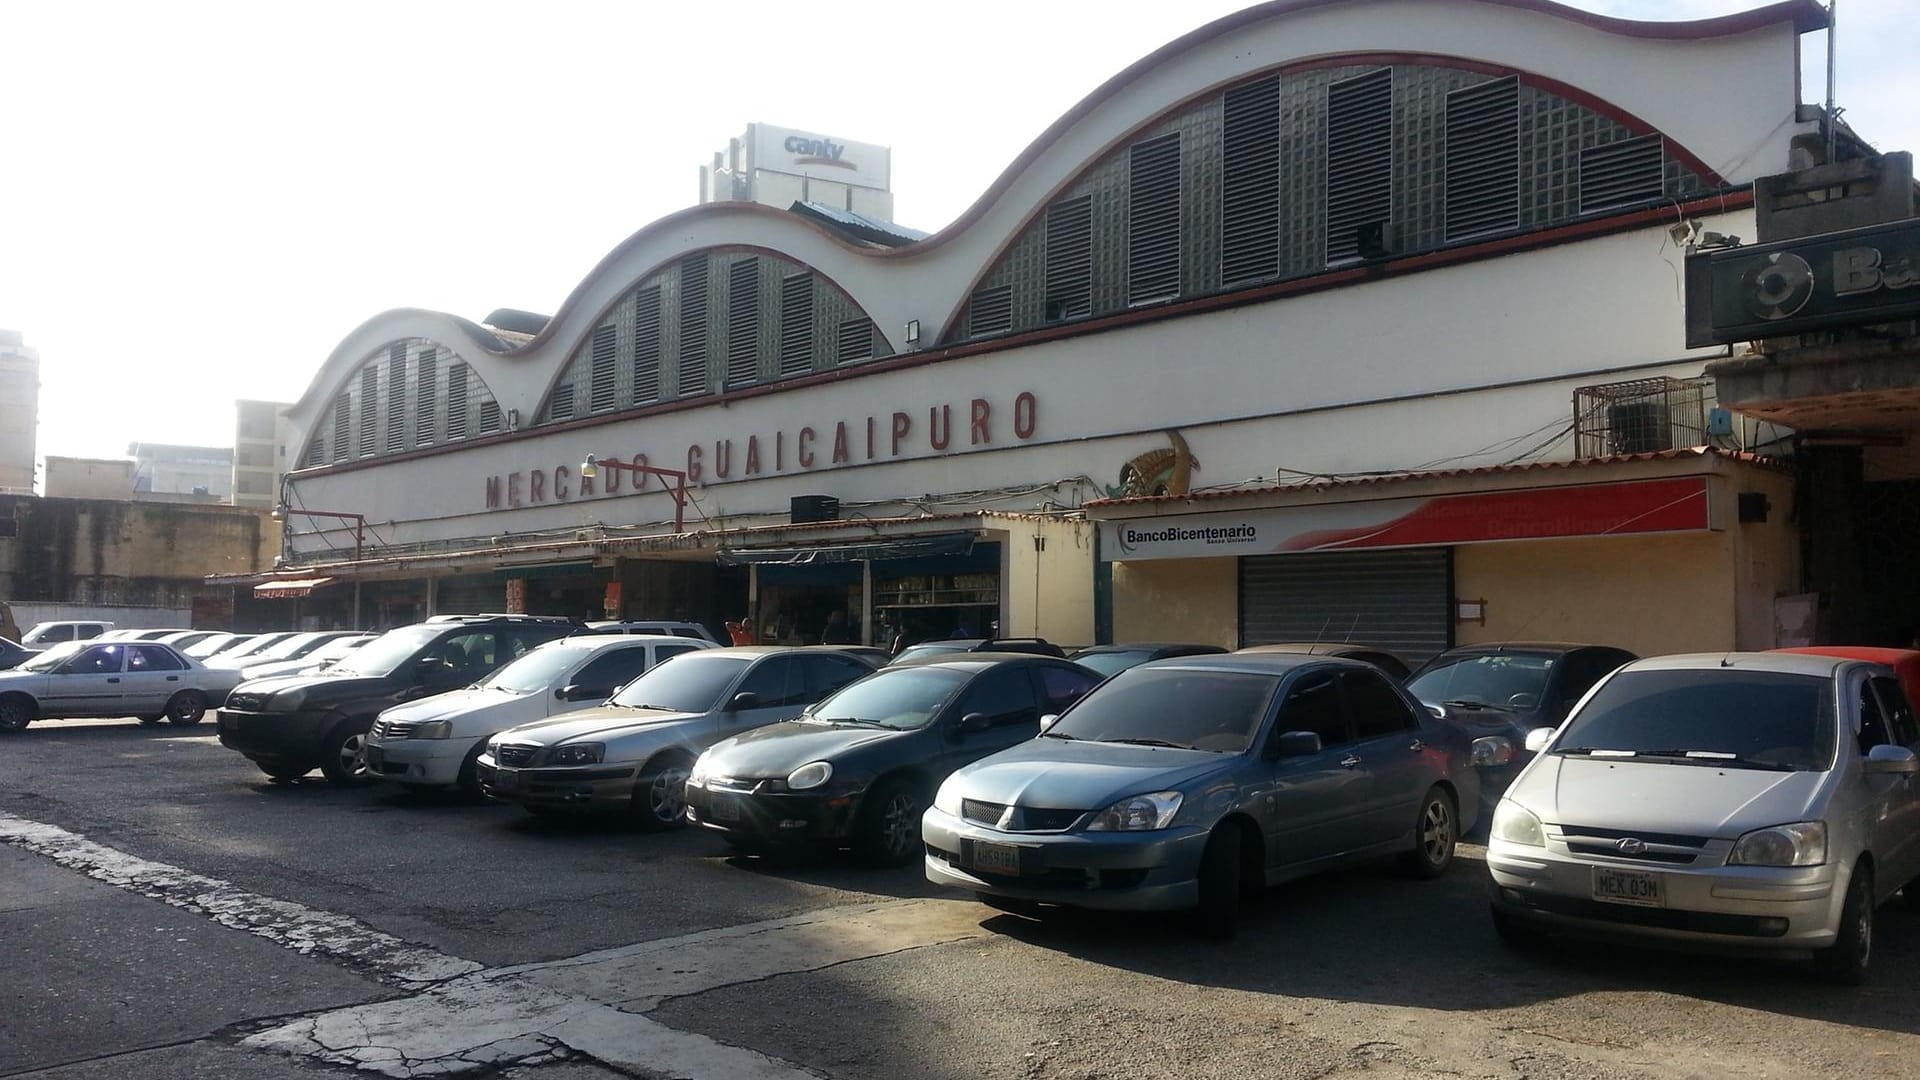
x=206 y=647
x=1719 y=716
x=1503 y=680
x=1111 y=663
x=914 y=651
x=384 y=654
x=1154 y=706
x=691 y=683
x=256 y=646
x=292 y=648
x=903 y=699
x=337 y=648
x=536 y=671
x=53 y=657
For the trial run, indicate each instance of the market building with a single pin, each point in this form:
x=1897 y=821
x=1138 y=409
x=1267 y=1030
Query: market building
x=1329 y=318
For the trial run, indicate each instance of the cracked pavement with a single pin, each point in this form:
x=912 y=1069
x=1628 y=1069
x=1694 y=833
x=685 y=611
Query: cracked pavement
x=164 y=912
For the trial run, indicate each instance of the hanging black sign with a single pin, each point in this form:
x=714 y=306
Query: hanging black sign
x=1851 y=278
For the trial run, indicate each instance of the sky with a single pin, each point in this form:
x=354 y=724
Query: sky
x=199 y=200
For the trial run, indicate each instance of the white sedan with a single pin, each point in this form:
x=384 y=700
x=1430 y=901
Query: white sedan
x=435 y=742
x=117 y=678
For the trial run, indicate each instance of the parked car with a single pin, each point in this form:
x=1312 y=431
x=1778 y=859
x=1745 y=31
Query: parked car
x=13 y=654
x=437 y=742
x=259 y=643
x=1510 y=689
x=45 y=634
x=1381 y=658
x=322 y=657
x=291 y=647
x=1113 y=659
x=1185 y=784
x=183 y=640
x=114 y=678
x=147 y=633
x=292 y=724
x=860 y=767
x=1035 y=646
x=633 y=754
x=670 y=627
x=1758 y=800
x=217 y=644
x=1904 y=662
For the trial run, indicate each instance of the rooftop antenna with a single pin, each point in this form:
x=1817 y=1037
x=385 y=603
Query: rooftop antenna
x=1351 y=627
x=1833 y=114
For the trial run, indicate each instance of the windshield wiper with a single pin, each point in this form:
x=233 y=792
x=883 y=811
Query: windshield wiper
x=1151 y=742
x=1057 y=735
x=849 y=720
x=1465 y=703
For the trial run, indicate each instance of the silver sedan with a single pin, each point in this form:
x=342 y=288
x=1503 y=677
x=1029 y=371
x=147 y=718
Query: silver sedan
x=114 y=678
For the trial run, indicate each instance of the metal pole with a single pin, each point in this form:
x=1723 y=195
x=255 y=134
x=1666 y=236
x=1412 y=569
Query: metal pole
x=753 y=599
x=866 y=601
x=1833 y=117
x=356 y=603
x=433 y=596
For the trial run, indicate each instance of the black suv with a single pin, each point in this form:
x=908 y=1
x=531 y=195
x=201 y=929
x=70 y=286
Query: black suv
x=289 y=724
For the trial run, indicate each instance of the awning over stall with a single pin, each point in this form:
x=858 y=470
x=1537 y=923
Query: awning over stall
x=908 y=547
x=282 y=590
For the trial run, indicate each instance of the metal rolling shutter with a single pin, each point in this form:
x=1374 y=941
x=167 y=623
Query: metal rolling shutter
x=470 y=595
x=1398 y=600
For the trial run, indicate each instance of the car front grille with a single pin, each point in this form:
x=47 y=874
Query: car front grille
x=1024 y=819
x=515 y=755
x=393 y=729
x=986 y=813
x=1672 y=849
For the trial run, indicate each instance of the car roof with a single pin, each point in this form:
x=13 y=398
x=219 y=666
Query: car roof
x=1143 y=646
x=1556 y=647
x=1315 y=648
x=1260 y=663
x=1781 y=662
x=976 y=661
x=610 y=641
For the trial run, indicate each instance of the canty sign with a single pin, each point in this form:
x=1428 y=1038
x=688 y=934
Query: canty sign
x=1851 y=278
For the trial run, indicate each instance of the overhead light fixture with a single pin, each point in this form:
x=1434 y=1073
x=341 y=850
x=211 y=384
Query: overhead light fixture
x=590 y=468
x=279 y=512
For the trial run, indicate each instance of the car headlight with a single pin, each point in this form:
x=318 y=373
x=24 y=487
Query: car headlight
x=1138 y=813
x=1800 y=844
x=586 y=753
x=809 y=776
x=702 y=768
x=947 y=799
x=1515 y=824
x=287 y=700
x=436 y=729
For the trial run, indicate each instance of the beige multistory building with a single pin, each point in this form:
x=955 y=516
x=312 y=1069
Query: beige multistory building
x=19 y=411
x=260 y=437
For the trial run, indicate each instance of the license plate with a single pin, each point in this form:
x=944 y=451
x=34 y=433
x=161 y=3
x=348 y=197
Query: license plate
x=724 y=808
x=505 y=779
x=1635 y=887
x=376 y=757
x=996 y=858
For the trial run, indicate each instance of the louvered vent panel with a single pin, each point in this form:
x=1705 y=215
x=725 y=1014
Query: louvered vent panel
x=855 y=340
x=396 y=399
x=990 y=311
x=342 y=427
x=426 y=379
x=369 y=410
x=1359 y=158
x=743 y=323
x=489 y=417
x=604 y=390
x=1250 y=184
x=1621 y=173
x=457 y=400
x=560 y=405
x=693 y=325
x=1153 y=220
x=1483 y=158
x=646 y=345
x=1069 y=259
x=796 y=324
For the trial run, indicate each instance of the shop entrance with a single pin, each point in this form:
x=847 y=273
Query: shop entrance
x=1398 y=600
x=810 y=596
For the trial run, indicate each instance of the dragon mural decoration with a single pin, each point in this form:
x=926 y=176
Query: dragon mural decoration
x=1166 y=471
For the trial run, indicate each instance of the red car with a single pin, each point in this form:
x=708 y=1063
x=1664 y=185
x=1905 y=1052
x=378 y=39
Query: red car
x=1904 y=662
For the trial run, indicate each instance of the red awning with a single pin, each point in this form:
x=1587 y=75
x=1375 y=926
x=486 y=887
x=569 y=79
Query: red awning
x=281 y=590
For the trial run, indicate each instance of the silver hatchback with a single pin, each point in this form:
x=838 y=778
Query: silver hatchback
x=1755 y=800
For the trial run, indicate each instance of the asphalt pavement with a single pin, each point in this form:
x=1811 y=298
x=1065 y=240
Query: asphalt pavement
x=165 y=911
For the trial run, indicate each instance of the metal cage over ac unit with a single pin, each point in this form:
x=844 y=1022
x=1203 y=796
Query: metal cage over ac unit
x=1639 y=416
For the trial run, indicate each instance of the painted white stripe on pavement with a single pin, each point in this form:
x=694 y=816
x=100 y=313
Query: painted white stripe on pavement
x=295 y=926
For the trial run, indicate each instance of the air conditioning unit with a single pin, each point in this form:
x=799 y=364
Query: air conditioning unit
x=803 y=509
x=1638 y=427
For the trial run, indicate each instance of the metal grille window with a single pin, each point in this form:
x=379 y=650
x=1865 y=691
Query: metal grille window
x=743 y=323
x=369 y=409
x=457 y=400
x=646 y=345
x=396 y=398
x=693 y=325
x=990 y=311
x=1621 y=173
x=1359 y=159
x=856 y=340
x=1153 y=220
x=796 y=324
x=489 y=417
x=603 y=393
x=342 y=427
x=1483 y=158
x=1069 y=259
x=560 y=405
x=426 y=379
x=1250 y=207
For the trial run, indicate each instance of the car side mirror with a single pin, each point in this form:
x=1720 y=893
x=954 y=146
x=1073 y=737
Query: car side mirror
x=974 y=723
x=576 y=692
x=1048 y=720
x=1891 y=760
x=1538 y=738
x=1296 y=744
x=744 y=700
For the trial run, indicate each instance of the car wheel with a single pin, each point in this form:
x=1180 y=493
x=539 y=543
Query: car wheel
x=16 y=712
x=1512 y=932
x=186 y=708
x=283 y=771
x=1218 y=913
x=889 y=830
x=660 y=795
x=469 y=780
x=343 y=756
x=153 y=719
x=1435 y=833
x=1845 y=961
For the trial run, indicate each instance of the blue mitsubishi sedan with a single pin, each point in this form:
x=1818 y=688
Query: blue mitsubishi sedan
x=1188 y=784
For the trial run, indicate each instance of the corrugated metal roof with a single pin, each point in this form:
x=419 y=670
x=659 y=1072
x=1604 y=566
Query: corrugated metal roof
x=1341 y=482
x=860 y=226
